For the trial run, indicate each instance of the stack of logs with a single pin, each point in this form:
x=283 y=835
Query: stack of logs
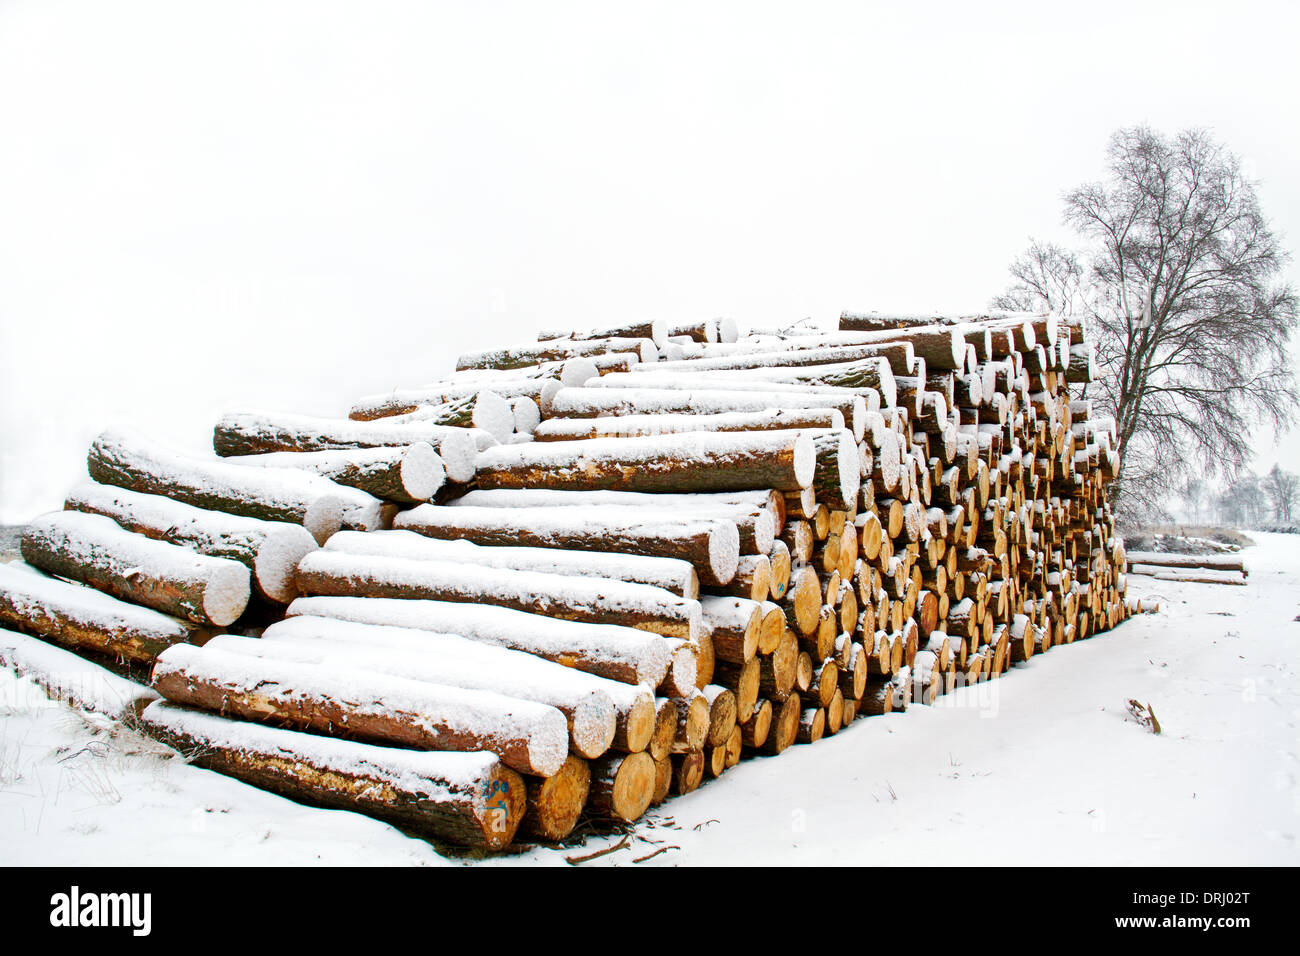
x=579 y=575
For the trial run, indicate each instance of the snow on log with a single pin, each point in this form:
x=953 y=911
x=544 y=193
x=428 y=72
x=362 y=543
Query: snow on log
x=466 y=799
x=84 y=619
x=257 y=433
x=439 y=659
x=606 y=650
x=604 y=402
x=131 y=461
x=485 y=414
x=1187 y=575
x=66 y=676
x=900 y=356
x=656 y=330
x=752 y=512
x=408 y=474
x=373 y=708
x=580 y=696
x=636 y=426
x=591 y=600
x=838 y=474
x=1217 y=562
x=711 y=545
x=556 y=350
x=699 y=461
x=872 y=378
x=671 y=574
x=271 y=550
x=97 y=551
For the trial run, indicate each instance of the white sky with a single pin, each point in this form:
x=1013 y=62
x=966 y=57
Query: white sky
x=288 y=205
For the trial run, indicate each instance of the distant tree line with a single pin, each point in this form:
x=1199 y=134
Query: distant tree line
x=1247 y=500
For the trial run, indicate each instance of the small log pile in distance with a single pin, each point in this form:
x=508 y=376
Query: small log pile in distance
x=579 y=575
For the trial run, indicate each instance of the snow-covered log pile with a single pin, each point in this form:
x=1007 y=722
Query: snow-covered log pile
x=1192 y=568
x=601 y=568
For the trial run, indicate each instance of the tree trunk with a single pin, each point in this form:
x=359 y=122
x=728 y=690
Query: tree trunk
x=97 y=551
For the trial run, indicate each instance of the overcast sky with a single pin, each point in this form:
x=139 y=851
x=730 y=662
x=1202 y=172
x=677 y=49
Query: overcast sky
x=287 y=205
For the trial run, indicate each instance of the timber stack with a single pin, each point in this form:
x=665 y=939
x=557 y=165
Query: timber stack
x=579 y=575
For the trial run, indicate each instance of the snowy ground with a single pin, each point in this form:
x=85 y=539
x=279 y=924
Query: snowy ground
x=1040 y=767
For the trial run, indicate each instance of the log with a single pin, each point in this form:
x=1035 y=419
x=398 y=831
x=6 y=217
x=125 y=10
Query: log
x=670 y=574
x=692 y=723
x=556 y=350
x=83 y=619
x=743 y=681
x=407 y=474
x=618 y=653
x=785 y=726
x=688 y=771
x=665 y=728
x=133 y=462
x=733 y=624
x=606 y=402
x=97 y=551
x=258 y=433
x=722 y=714
x=271 y=550
x=705 y=461
x=1216 y=562
x=636 y=426
x=755 y=731
x=837 y=475
x=711 y=545
x=555 y=803
x=372 y=708
x=621 y=787
x=753 y=512
x=66 y=676
x=569 y=598
x=485 y=409
x=656 y=330
x=466 y=799
x=587 y=702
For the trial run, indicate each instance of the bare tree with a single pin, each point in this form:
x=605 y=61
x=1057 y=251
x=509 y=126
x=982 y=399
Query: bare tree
x=1282 y=488
x=1179 y=285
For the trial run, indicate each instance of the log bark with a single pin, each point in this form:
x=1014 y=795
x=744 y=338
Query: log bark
x=259 y=433
x=636 y=426
x=133 y=462
x=271 y=550
x=618 y=653
x=83 y=619
x=711 y=545
x=556 y=350
x=407 y=474
x=97 y=551
x=593 y=601
x=466 y=799
x=528 y=737
x=670 y=574
x=737 y=461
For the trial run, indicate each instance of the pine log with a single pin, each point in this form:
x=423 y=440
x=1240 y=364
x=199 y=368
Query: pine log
x=587 y=702
x=556 y=350
x=785 y=726
x=259 y=433
x=591 y=600
x=757 y=728
x=711 y=545
x=269 y=549
x=617 y=653
x=636 y=426
x=84 y=619
x=688 y=771
x=670 y=574
x=722 y=714
x=467 y=799
x=133 y=462
x=485 y=409
x=407 y=474
x=68 y=676
x=555 y=803
x=743 y=681
x=693 y=462
x=97 y=551
x=656 y=330
x=528 y=737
